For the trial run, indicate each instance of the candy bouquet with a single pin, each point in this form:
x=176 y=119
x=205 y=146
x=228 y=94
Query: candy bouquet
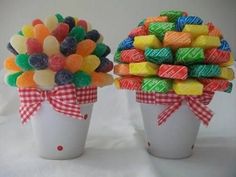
x=175 y=63
x=57 y=66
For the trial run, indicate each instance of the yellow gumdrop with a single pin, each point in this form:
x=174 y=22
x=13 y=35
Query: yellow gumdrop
x=142 y=42
x=143 y=69
x=45 y=79
x=51 y=45
x=188 y=87
x=226 y=73
x=28 y=31
x=51 y=22
x=18 y=42
x=90 y=63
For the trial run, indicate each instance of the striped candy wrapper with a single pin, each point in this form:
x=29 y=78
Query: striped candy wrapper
x=132 y=55
x=173 y=71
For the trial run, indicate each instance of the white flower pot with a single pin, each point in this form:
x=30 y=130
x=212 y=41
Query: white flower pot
x=176 y=137
x=59 y=136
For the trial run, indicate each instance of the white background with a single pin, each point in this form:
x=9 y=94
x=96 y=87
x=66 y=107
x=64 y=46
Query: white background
x=120 y=126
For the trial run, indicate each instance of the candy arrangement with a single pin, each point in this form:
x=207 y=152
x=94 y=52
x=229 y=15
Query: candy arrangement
x=58 y=51
x=174 y=52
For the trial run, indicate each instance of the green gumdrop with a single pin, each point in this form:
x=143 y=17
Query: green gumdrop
x=78 y=33
x=11 y=79
x=81 y=79
x=100 y=50
x=20 y=33
x=59 y=18
x=22 y=60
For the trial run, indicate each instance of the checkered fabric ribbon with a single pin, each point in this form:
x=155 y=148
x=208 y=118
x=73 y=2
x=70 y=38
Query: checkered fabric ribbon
x=64 y=99
x=197 y=104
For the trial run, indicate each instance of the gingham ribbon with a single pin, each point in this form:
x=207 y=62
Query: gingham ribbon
x=197 y=104
x=63 y=99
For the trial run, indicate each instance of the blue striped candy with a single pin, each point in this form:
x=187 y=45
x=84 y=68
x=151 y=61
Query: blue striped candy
x=224 y=45
x=126 y=44
x=182 y=21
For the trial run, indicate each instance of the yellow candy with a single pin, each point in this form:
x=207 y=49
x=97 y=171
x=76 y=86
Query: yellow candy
x=28 y=30
x=206 y=42
x=45 y=79
x=230 y=62
x=143 y=69
x=90 y=63
x=187 y=87
x=51 y=22
x=227 y=73
x=51 y=45
x=142 y=42
x=117 y=83
x=196 y=30
x=18 y=42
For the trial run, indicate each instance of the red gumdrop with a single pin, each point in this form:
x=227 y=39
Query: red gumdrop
x=36 y=22
x=83 y=24
x=56 y=62
x=33 y=46
x=61 y=31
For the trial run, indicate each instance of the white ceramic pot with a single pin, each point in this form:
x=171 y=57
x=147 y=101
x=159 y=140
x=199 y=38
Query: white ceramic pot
x=176 y=137
x=59 y=136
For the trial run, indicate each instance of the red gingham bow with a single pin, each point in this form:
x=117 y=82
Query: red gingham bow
x=62 y=98
x=197 y=104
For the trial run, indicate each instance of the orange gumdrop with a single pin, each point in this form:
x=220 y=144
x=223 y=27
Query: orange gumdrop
x=25 y=80
x=85 y=47
x=41 y=32
x=73 y=62
x=10 y=64
x=101 y=79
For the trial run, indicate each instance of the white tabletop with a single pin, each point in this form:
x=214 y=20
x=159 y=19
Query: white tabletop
x=115 y=145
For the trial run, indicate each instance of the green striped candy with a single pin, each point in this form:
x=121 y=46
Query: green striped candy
x=200 y=71
x=229 y=89
x=159 y=56
x=189 y=55
x=160 y=28
x=156 y=84
x=172 y=15
x=117 y=56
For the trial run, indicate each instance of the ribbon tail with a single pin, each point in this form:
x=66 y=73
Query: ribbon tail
x=200 y=110
x=27 y=111
x=167 y=113
x=69 y=109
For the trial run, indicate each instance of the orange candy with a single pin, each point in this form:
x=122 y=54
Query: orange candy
x=101 y=79
x=177 y=39
x=155 y=19
x=25 y=80
x=10 y=64
x=85 y=47
x=121 y=69
x=41 y=32
x=73 y=62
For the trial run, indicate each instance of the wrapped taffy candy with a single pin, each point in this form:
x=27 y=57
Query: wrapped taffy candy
x=57 y=51
x=180 y=52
